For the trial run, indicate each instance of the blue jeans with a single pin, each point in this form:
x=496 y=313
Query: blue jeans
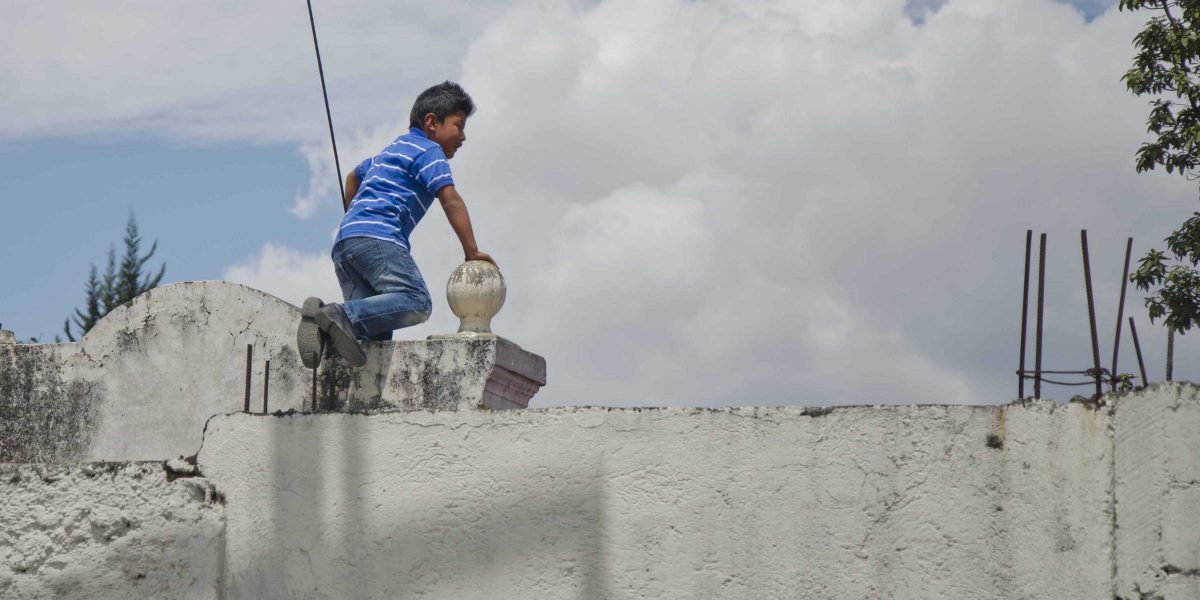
x=382 y=288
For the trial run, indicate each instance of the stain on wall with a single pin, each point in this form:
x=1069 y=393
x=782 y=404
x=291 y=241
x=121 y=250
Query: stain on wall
x=45 y=416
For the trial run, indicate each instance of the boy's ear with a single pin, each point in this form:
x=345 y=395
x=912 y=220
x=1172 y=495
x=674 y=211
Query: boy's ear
x=430 y=120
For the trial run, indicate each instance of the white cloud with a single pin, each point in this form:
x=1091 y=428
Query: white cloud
x=728 y=202
x=223 y=70
x=287 y=274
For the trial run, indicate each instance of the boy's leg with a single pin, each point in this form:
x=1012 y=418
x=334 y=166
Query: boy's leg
x=402 y=299
x=354 y=285
x=319 y=319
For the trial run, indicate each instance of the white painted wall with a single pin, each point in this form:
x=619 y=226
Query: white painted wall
x=100 y=531
x=867 y=502
x=1157 y=475
x=1031 y=500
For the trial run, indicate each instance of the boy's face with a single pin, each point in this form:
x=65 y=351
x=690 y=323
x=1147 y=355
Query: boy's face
x=449 y=134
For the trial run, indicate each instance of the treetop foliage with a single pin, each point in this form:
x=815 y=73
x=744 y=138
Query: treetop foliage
x=117 y=285
x=1165 y=67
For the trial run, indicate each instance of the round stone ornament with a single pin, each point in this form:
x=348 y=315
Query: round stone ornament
x=475 y=292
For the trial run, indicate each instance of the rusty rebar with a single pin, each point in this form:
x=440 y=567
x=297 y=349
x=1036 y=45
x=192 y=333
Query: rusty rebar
x=1137 y=347
x=1120 y=313
x=1041 y=302
x=1170 y=352
x=1024 y=315
x=1087 y=281
x=249 y=366
x=266 y=385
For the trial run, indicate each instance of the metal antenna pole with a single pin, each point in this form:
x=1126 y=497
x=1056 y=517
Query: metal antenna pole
x=1024 y=316
x=328 y=115
x=1120 y=313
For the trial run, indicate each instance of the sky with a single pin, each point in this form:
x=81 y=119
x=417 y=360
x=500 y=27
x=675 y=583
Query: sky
x=696 y=203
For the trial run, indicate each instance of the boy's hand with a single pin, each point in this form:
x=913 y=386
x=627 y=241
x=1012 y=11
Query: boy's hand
x=477 y=255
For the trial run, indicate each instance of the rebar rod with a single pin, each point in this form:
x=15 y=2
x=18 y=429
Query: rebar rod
x=1170 y=352
x=1024 y=315
x=1121 y=313
x=266 y=385
x=249 y=358
x=1041 y=302
x=1087 y=281
x=1137 y=347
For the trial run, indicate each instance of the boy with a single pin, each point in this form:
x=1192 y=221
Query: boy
x=386 y=196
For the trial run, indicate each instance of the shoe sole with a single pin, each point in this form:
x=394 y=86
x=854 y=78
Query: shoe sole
x=343 y=341
x=308 y=334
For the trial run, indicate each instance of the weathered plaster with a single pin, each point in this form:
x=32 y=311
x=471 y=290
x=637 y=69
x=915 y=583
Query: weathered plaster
x=864 y=502
x=1157 y=487
x=1029 y=500
x=44 y=415
x=142 y=382
x=108 y=530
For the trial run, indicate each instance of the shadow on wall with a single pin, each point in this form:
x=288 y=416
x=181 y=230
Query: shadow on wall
x=418 y=526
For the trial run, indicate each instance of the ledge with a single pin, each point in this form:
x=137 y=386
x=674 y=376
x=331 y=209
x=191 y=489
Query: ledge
x=141 y=384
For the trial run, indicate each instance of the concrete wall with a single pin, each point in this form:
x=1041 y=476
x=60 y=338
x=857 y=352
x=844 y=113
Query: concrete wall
x=142 y=382
x=100 y=531
x=1157 y=481
x=863 y=502
x=1029 y=500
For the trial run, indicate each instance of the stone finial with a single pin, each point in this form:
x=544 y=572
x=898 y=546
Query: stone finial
x=475 y=292
x=7 y=337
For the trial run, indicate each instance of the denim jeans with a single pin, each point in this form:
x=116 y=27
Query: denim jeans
x=382 y=288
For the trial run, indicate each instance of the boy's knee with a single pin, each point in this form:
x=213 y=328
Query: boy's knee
x=420 y=314
x=426 y=307
x=415 y=317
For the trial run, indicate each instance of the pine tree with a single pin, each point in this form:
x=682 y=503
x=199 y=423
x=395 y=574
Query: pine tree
x=117 y=285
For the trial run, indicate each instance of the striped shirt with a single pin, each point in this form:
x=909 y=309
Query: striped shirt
x=396 y=188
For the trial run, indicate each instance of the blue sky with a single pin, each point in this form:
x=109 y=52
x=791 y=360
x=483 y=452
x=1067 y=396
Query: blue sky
x=642 y=271
x=207 y=205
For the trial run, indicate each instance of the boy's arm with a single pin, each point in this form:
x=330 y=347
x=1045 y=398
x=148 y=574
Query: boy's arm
x=352 y=184
x=460 y=221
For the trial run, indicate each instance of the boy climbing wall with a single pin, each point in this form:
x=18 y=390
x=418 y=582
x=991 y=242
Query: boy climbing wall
x=386 y=196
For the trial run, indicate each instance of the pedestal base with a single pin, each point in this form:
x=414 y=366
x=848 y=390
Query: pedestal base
x=461 y=371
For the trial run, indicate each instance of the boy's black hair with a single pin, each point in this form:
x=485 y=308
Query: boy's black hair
x=443 y=100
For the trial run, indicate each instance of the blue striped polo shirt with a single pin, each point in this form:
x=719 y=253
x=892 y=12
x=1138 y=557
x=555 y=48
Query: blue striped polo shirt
x=396 y=188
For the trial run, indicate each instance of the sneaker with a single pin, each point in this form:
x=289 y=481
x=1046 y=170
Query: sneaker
x=333 y=322
x=308 y=334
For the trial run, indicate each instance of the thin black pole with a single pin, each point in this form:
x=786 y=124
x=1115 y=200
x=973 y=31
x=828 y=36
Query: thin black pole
x=314 y=384
x=1024 y=315
x=1137 y=347
x=1087 y=281
x=328 y=115
x=249 y=357
x=1120 y=313
x=1041 y=302
x=266 y=385
x=1170 y=352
